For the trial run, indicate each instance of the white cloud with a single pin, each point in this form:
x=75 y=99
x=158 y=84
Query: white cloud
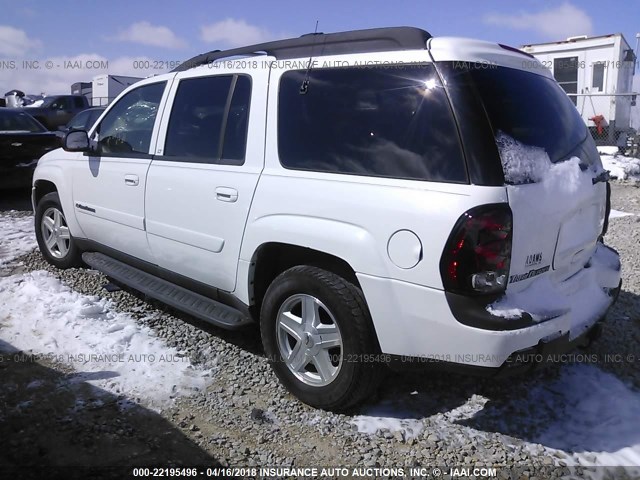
x=235 y=33
x=55 y=75
x=153 y=35
x=15 y=42
x=554 y=24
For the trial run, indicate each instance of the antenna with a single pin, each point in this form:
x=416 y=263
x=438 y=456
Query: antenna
x=305 y=83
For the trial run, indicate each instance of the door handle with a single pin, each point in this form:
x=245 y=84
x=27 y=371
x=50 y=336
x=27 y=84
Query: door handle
x=226 y=194
x=131 y=180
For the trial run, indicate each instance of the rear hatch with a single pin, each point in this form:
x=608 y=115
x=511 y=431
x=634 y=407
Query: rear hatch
x=549 y=163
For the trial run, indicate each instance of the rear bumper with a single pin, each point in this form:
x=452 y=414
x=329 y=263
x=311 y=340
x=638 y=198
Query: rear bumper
x=546 y=352
x=414 y=323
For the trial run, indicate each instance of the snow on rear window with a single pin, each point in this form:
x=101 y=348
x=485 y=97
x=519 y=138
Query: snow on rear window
x=522 y=163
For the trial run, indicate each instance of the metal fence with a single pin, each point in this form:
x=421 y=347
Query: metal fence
x=609 y=117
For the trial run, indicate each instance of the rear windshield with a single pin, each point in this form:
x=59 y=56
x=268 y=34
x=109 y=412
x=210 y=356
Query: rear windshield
x=12 y=121
x=531 y=109
x=529 y=115
x=374 y=121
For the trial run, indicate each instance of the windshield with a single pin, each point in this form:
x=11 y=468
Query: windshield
x=46 y=102
x=11 y=121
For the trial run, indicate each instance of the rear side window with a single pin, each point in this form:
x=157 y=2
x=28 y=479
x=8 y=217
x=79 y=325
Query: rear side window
x=208 y=120
x=11 y=121
x=80 y=120
x=376 y=121
x=79 y=103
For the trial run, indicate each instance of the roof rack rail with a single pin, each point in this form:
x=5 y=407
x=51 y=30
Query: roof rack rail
x=319 y=44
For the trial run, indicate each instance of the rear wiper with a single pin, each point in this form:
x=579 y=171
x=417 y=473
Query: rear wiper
x=601 y=177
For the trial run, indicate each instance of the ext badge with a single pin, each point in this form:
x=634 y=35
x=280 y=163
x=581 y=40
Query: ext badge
x=533 y=259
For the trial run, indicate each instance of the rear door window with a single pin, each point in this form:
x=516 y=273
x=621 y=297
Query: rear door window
x=375 y=121
x=209 y=119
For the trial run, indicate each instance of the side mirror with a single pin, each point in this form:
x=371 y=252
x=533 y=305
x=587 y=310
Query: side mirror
x=76 y=141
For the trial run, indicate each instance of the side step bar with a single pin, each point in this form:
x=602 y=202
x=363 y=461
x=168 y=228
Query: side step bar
x=178 y=297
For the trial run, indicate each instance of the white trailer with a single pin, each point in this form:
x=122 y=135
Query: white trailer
x=597 y=74
x=107 y=87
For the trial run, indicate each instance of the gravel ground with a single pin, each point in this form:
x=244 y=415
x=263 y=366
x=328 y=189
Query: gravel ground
x=246 y=418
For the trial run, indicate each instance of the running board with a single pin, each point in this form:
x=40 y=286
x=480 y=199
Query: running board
x=178 y=297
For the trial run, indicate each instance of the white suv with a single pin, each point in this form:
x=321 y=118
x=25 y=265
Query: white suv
x=368 y=197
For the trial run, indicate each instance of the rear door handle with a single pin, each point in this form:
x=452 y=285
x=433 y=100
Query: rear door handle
x=131 y=180
x=226 y=194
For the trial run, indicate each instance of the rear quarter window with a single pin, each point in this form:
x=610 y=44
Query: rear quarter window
x=374 y=121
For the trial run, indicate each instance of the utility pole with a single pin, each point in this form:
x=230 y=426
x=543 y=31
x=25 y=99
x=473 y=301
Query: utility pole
x=637 y=44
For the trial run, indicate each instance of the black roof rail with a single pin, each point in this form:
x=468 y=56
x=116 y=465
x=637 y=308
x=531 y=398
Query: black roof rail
x=319 y=44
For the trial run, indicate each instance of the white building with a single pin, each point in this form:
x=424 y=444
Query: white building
x=107 y=87
x=597 y=73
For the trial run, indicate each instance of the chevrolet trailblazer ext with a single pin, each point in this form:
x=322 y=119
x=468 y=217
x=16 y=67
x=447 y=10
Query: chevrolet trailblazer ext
x=367 y=195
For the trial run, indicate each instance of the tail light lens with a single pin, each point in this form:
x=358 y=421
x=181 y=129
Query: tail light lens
x=477 y=255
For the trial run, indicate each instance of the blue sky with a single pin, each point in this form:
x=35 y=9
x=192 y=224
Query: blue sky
x=122 y=31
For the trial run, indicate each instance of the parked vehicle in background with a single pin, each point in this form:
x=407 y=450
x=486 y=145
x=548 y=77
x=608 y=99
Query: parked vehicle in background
x=82 y=121
x=57 y=110
x=406 y=200
x=23 y=140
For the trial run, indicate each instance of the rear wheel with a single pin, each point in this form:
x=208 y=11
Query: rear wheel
x=319 y=338
x=55 y=241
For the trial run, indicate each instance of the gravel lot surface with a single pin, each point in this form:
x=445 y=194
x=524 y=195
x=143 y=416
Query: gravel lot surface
x=245 y=418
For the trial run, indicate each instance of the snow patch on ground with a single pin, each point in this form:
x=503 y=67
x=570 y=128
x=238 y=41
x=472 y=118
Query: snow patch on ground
x=604 y=150
x=381 y=418
x=621 y=167
x=596 y=417
x=16 y=237
x=40 y=315
x=583 y=417
x=619 y=214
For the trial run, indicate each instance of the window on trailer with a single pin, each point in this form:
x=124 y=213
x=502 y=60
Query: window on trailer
x=598 y=77
x=565 y=71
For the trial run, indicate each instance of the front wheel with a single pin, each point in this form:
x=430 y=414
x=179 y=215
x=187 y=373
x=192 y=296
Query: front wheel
x=55 y=241
x=319 y=338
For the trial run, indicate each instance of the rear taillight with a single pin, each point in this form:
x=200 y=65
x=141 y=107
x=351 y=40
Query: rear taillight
x=477 y=255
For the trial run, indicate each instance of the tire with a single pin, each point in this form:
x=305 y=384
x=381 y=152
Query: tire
x=55 y=241
x=323 y=359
